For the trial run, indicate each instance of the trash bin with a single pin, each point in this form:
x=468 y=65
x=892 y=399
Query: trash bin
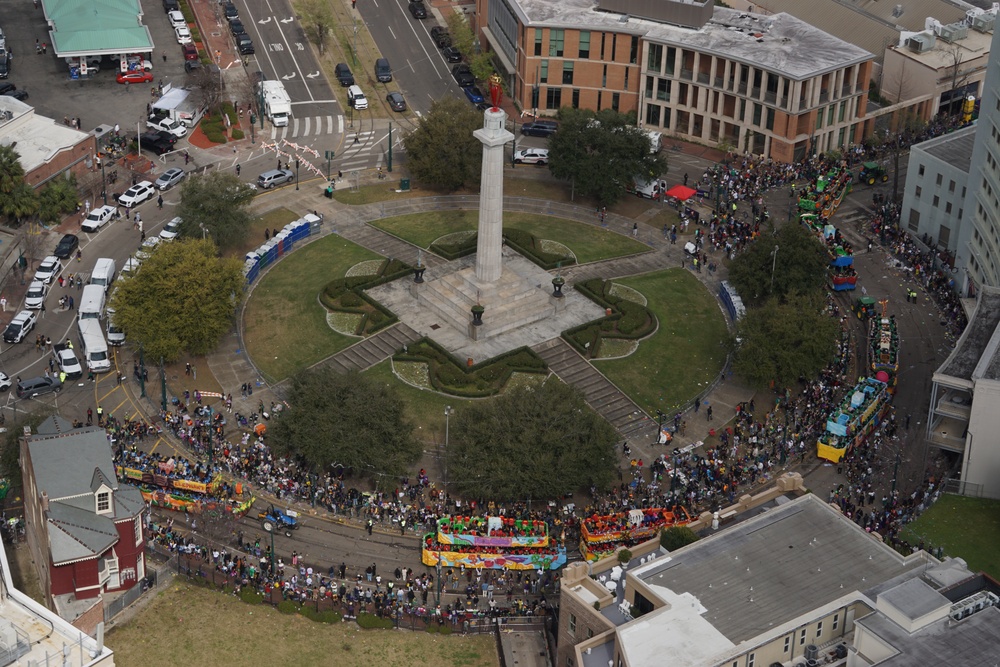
x=328 y=192
x=404 y=184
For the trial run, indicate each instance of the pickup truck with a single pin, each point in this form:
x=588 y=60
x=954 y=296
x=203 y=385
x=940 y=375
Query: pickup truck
x=165 y=124
x=67 y=361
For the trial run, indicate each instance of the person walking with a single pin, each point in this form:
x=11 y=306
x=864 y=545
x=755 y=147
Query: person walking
x=159 y=201
x=238 y=169
x=708 y=414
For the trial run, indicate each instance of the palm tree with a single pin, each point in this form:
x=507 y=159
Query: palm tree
x=11 y=171
x=21 y=203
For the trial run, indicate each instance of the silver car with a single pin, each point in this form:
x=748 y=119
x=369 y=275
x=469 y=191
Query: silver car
x=169 y=178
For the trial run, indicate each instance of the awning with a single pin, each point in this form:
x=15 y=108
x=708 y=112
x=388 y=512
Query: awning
x=681 y=192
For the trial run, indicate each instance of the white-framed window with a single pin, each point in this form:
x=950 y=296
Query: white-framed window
x=572 y=624
x=103 y=502
x=802 y=637
x=138 y=530
x=751 y=659
x=819 y=629
x=836 y=620
x=788 y=643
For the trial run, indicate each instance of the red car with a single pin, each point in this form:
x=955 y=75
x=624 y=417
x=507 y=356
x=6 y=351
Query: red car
x=190 y=51
x=134 y=77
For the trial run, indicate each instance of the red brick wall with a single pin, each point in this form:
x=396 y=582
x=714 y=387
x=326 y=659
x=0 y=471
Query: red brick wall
x=74 y=159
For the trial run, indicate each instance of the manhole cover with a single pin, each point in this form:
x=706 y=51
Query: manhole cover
x=435 y=327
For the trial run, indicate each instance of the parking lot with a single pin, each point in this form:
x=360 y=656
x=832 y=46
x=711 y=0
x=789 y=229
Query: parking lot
x=96 y=100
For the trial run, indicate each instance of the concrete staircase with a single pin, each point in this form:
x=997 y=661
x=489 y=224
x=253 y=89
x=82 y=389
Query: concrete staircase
x=388 y=245
x=600 y=393
x=372 y=350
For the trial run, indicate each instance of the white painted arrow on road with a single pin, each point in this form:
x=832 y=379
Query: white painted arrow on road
x=288 y=20
x=263 y=21
x=289 y=76
x=313 y=75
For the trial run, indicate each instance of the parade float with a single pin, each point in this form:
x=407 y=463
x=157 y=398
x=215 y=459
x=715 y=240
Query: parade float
x=883 y=347
x=825 y=196
x=600 y=535
x=494 y=542
x=160 y=488
x=858 y=414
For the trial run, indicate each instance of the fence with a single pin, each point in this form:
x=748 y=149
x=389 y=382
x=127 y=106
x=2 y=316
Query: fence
x=116 y=606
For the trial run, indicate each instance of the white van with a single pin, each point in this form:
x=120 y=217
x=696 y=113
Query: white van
x=93 y=347
x=104 y=273
x=648 y=189
x=115 y=335
x=92 y=303
x=655 y=141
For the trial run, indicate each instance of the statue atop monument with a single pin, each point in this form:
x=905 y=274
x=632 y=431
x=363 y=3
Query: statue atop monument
x=496 y=91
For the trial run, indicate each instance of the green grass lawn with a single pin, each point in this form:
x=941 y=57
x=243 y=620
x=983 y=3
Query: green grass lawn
x=274 y=219
x=968 y=528
x=425 y=409
x=588 y=243
x=685 y=354
x=285 y=327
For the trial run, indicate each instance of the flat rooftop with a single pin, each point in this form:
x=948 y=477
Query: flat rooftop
x=954 y=148
x=773 y=568
x=781 y=42
x=38 y=139
x=971 y=642
x=942 y=56
x=968 y=354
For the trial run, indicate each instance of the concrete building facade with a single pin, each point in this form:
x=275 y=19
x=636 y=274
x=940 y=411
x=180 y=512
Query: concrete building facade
x=773 y=85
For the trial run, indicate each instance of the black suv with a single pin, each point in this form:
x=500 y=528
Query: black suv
x=231 y=11
x=463 y=75
x=418 y=10
x=440 y=36
x=171 y=6
x=236 y=27
x=66 y=246
x=539 y=128
x=244 y=44
x=343 y=74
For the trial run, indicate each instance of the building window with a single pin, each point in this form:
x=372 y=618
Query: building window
x=829 y=114
x=843 y=109
x=553 y=98
x=951 y=186
x=604 y=37
x=947 y=207
x=572 y=624
x=920 y=172
x=819 y=629
x=663 y=90
x=917 y=191
x=598 y=100
x=819 y=119
x=538 y=41
x=138 y=530
x=802 y=637
x=569 y=661
x=937 y=200
x=615 y=100
x=103 y=501
x=543 y=74
x=944 y=235
x=940 y=179
x=671 y=56
x=836 y=617
x=584 y=44
x=788 y=644
x=614 y=46
x=649 y=87
x=654 y=58
x=604 y=77
x=757 y=111
x=590 y=633
x=653 y=115
x=770 y=119
x=568 y=72
x=751 y=659
x=556 y=40
x=633 y=56
x=576 y=98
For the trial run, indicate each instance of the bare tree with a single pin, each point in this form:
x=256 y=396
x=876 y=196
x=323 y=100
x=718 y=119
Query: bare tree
x=958 y=77
x=317 y=21
x=210 y=88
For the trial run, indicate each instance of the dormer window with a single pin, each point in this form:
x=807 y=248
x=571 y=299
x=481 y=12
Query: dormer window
x=103 y=502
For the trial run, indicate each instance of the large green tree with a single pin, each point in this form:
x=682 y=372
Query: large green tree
x=442 y=153
x=181 y=300
x=602 y=153
x=217 y=204
x=57 y=199
x=462 y=38
x=348 y=420
x=798 y=267
x=17 y=199
x=782 y=341
x=530 y=443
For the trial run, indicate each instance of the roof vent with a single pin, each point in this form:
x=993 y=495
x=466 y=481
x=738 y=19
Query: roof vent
x=897 y=11
x=624 y=18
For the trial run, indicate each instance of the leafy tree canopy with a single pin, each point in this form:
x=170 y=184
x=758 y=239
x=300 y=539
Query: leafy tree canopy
x=219 y=203
x=602 y=158
x=182 y=299
x=539 y=443
x=675 y=537
x=17 y=199
x=349 y=420
x=784 y=341
x=799 y=267
x=441 y=152
x=57 y=199
x=480 y=61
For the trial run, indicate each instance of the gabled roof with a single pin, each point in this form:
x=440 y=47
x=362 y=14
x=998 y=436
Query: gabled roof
x=64 y=461
x=96 y=26
x=99 y=480
x=76 y=534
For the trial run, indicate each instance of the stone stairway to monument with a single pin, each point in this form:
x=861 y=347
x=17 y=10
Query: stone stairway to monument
x=620 y=267
x=599 y=392
x=388 y=245
x=372 y=350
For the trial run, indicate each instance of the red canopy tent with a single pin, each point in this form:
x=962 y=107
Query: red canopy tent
x=681 y=192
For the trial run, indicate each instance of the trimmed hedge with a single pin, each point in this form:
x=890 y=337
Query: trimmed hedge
x=372 y=622
x=238 y=134
x=523 y=242
x=450 y=376
x=451 y=251
x=628 y=319
x=346 y=295
x=328 y=616
x=288 y=607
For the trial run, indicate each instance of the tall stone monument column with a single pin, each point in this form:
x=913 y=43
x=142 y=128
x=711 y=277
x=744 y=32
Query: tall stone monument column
x=493 y=135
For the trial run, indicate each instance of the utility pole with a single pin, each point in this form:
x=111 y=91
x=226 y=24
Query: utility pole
x=389 y=165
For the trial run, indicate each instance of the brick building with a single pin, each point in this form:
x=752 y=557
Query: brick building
x=47 y=149
x=84 y=530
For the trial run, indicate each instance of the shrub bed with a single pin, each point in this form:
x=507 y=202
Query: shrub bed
x=372 y=622
x=450 y=376
x=347 y=295
x=628 y=319
x=523 y=242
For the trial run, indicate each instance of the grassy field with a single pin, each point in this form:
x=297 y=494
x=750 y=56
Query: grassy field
x=588 y=243
x=968 y=528
x=188 y=625
x=285 y=326
x=273 y=219
x=684 y=355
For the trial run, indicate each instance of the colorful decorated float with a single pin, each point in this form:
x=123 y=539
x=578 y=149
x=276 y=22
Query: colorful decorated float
x=883 y=347
x=160 y=489
x=861 y=411
x=600 y=535
x=494 y=542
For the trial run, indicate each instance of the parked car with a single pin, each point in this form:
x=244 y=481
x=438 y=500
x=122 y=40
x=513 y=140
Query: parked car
x=48 y=269
x=35 y=296
x=343 y=74
x=169 y=178
x=190 y=51
x=452 y=54
x=418 y=10
x=5 y=382
x=136 y=194
x=150 y=137
x=244 y=44
x=37 y=386
x=16 y=94
x=474 y=95
x=356 y=98
x=236 y=27
x=170 y=6
x=134 y=77
x=160 y=147
x=176 y=19
x=270 y=179
x=171 y=230
x=20 y=326
x=539 y=128
x=532 y=156
x=166 y=124
x=98 y=218
x=230 y=11
x=192 y=65
x=183 y=35
x=7 y=87
x=396 y=101
x=440 y=36
x=67 y=246
x=463 y=75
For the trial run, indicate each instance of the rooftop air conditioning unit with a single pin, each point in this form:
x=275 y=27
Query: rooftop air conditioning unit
x=921 y=42
x=954 y=32
x=984 y=22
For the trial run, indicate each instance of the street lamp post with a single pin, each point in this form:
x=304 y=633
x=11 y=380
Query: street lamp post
x=104 y=182
x=774 y=262
x=296 y=173
x=390 y=148
x=447 y=418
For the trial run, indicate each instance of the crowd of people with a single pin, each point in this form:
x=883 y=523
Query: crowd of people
x=502 y=527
